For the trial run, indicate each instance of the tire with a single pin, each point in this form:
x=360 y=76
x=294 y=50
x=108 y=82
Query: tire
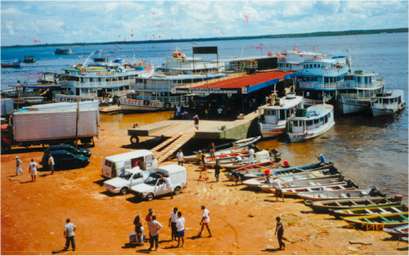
x=123 y=191
x=149 y=197
x=134 y=140
x=177 y=190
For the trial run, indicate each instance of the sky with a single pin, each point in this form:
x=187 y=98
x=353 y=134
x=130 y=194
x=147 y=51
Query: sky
x=39 y=22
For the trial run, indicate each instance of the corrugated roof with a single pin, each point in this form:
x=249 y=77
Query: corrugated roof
x=246 y=80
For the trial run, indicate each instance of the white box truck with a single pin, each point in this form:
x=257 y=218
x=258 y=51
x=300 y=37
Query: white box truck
x=48 y=125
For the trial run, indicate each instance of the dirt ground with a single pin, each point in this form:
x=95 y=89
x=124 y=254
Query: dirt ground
x=242 y=221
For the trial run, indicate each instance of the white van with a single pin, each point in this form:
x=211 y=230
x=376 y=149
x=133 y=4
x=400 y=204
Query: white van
x=165 y=180
x=116 y=165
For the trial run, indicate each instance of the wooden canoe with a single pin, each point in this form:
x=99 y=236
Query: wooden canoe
x=339 y=204
x=398 y=232
x=340 y=194
x=362 y=211
x=377 y=221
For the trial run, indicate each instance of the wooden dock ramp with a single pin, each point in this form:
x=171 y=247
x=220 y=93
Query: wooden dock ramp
x=167 y=148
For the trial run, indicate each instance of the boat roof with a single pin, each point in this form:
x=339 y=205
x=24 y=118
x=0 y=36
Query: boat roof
x=316 y=111
x=363 y=73
x=286 y=102
x=186 y=76
x=391 y=94
x=128 y=155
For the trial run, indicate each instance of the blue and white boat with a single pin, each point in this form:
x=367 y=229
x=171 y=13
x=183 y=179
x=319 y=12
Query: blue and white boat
x=293 y=60
x=320 y=77
x=359 y=91
x=315 y=121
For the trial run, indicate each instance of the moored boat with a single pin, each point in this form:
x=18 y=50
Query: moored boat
x=239 y=161
x=11 y=64
x=375 y=220
x=29 y=59
x=400 y=232
x=342 y=194
x=315 y=121
x=275 y=115
x=63 y=51
x=388 y=103
x=342 y=185
x=330 y=205
x=398 y=208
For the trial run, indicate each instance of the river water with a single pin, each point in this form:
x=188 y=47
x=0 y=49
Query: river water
x=371 y=151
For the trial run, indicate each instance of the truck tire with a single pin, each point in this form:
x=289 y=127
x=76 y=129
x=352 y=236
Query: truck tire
x=134 y=140
x=149 y=197
x=177 y=190
x=124 y=191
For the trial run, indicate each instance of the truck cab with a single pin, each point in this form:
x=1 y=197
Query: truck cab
x=165 y=180
x=115 y=165
x=127 y=179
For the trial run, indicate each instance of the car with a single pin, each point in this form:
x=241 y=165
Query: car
x=65 y=160
x=127 y=179
x=168 y=179
x=70 y=148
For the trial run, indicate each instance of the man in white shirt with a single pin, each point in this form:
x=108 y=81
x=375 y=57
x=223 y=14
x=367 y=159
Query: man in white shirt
x=180 y=227
x=154 y=228
x=19 y=166
x=172 y=222
x=51 y=163
x=69 y=233
x=32 y=167
x=205 y=221
x=180 y=157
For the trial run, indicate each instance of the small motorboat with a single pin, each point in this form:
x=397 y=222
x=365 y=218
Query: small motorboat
x=63 y=51
x=388 y=103
x=342 y=194
x=339 y=204
x=240 y=161
x=29 y=59
x=12 y=64
x=399 y=232
x=375 y=221
x=399 y=208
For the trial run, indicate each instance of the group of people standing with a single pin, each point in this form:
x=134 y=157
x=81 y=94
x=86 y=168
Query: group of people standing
x=176 y=223
x=33 y=167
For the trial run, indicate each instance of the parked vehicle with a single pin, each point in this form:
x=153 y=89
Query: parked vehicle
x=114 y=165
x=122 y=183
x=166 y=180
x=51 y=124
x=65 y=160
x=69 y=148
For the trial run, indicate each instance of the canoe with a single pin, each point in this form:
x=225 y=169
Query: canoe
x=248 y=173
x=245 y=142
x=341 y=194
x=339 y=204
x=398 y=232
x=362 y=211
x=375 y=221
x=293 y=191
x=262 y=156
x=315 y=174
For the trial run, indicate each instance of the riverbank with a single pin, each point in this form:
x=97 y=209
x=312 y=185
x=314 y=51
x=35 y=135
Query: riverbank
x=242 y=221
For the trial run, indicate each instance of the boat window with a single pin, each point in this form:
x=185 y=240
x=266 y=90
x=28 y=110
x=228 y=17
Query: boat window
x=99 y=79
x=399 y=100
x=316 y=121
x=326 y=119
x=309 y=122
x=82 y=79
x=91 y=79
x=282 y=114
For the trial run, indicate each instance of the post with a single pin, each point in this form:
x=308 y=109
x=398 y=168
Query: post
x=77 y=119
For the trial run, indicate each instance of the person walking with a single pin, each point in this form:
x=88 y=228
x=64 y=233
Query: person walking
x=172 y=223
x=69 y=234
x=180 y=157
x=32 y=167
x=213 y=151
x=138 y=229
x=217 y=168
x=280 y=233
x=19 y=166
x=205 y=221
x=51 y=163
x=180 y=228
x=196 y=121
x=154 y=228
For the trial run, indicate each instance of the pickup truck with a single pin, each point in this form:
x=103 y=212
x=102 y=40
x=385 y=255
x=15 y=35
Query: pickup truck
x=127 y=179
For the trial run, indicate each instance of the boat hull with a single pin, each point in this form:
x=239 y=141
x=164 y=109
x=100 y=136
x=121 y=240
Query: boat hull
x=386 y=111
x=296 y=137
x=351 y=106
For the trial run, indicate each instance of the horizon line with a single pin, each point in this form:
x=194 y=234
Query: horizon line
x=307 y=34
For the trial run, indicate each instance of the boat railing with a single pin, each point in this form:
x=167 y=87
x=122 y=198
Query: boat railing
x=354 y=85
x=318 y=85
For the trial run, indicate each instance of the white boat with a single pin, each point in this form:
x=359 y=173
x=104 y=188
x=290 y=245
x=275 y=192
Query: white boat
x=358 y=91
x=274 y=117
x=340 y=194
x=323 y=187
x=317 y=120
x=310 y=175
x=388 y=103
x=133 y=101
x=99 y=77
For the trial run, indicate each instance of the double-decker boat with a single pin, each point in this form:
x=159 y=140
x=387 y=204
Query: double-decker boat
x=275 y=115
x=359 y=91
